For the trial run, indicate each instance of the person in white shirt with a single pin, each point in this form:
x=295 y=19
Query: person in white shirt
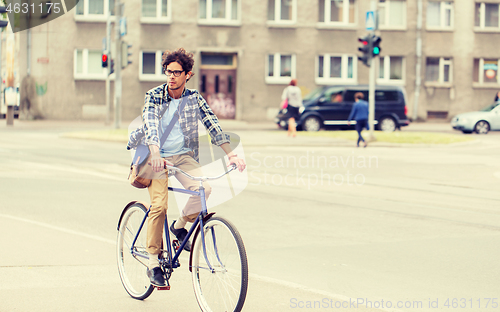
x=293 y=95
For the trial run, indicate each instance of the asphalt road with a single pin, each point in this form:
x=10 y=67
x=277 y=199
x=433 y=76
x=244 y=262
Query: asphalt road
x=326 y=226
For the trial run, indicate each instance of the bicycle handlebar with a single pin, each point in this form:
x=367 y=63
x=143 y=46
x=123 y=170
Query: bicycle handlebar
x=232 y=167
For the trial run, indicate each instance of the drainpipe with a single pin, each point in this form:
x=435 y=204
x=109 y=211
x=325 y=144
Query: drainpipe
x=29 y=52
x=418 y=69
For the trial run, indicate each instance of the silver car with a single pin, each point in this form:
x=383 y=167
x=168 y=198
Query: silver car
x=480 y=122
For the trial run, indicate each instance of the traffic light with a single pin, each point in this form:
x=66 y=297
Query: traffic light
x=104 y=60
x=3 y=23
x=366 y=48
x=376 y=45
x=126 y=54
x=111 y=66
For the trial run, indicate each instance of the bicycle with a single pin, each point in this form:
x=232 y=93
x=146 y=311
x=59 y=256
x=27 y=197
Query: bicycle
x=217 y=261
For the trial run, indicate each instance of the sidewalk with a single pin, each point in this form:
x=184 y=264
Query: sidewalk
x=227 y=125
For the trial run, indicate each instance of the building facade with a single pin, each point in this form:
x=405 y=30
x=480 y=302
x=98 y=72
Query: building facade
x=246 y=52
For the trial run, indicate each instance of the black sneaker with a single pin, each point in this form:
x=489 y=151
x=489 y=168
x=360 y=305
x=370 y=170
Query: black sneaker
x=181 y=235
x=156 y=277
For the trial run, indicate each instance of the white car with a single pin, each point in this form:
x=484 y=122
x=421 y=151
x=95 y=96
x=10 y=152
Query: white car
x=480 y=122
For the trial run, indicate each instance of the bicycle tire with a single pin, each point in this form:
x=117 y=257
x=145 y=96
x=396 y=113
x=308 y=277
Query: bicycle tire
x=133 y=270
x=224 y=289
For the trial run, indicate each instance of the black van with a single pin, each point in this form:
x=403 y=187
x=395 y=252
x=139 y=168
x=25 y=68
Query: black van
x=331 y=105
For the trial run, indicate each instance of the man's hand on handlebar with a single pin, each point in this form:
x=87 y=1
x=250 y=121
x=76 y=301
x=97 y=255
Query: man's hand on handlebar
x=239 y=162
x=157 y=162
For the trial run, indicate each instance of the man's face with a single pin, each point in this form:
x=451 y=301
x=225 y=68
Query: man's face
x=174 y=69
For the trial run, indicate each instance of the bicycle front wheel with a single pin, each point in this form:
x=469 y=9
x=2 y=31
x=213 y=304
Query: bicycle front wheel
x=133 y=267
x=220 y=284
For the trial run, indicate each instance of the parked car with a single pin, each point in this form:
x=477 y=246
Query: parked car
x=480 y=122
x=10 y=96
x=330 y=106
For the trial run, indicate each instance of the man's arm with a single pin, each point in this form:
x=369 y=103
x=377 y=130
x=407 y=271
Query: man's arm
x=233 y=158
x=352 y=114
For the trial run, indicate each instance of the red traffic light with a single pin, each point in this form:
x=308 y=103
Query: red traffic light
x=104 y=60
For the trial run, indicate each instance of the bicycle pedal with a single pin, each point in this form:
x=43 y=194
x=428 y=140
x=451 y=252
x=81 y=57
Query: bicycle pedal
x=176 y=244
x=163 y=288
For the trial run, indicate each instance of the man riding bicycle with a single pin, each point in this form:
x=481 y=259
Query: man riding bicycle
x=180 y=149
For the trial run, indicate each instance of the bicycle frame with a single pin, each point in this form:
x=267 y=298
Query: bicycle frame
x=173 y=263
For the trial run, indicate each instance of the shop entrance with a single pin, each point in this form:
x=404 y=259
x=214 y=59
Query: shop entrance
x=218 y=83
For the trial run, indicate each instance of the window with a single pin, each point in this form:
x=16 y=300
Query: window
x=219 y=12
x=94 y=10
x=438 y=69
x=391 y=69
x=332 y=69
x=486 y=15
x=337 y=12
x=439 y=14
x=282 y=11
x=156 y=11
x=392 y=14
x=150 y=68
x=280 y=68
x=218 y=59
x=386 y=96
x=88 y=65
x=486 y=71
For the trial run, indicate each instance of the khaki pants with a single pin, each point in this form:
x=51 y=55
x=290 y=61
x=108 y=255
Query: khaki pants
x=158 y=192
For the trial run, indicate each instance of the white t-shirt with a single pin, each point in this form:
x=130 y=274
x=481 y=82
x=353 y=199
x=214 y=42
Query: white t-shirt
x=294 y=96
x=174 y=144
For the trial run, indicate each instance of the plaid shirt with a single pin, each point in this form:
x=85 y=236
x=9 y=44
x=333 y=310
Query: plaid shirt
x=156 y=103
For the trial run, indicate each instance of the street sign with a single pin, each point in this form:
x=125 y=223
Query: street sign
x=370 y=20
x=123 y=26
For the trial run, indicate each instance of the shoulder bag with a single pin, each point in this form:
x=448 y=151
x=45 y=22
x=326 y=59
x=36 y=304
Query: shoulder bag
x=140 y=172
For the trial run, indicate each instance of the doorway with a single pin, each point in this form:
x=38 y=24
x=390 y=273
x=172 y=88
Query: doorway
x=218 y=83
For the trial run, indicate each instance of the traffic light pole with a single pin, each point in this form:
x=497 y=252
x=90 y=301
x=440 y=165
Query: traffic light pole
x=371 y=87
x=118 y=68
x=108 y=86
x=371 y=101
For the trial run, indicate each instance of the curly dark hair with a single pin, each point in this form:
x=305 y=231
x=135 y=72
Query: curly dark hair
x=185 y=59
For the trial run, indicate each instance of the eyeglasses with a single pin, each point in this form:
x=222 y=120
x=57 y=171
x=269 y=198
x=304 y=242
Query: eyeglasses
x=176 y=73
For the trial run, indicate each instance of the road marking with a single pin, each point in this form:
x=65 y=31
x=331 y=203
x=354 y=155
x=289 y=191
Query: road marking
x=330 y=295
x=60 y=229
x=71 y=169
x=256 y=277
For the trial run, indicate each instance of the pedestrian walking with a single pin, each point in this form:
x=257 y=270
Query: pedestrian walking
x=293 y=96
x=359 y=113
x=173 y=102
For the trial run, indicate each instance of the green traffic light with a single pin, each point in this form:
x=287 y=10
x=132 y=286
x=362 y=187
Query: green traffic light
x=376 y=50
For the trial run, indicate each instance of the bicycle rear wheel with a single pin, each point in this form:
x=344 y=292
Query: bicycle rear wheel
x=133 y=268
x=224 y=288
